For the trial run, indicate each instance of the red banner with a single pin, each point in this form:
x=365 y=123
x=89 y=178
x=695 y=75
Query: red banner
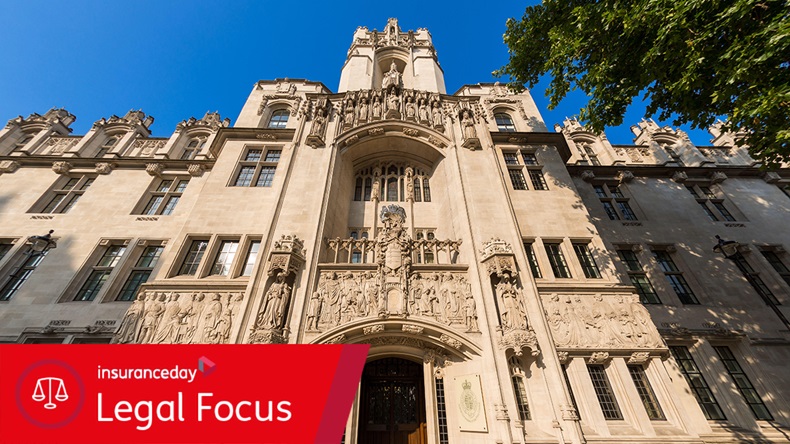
x=177 y=393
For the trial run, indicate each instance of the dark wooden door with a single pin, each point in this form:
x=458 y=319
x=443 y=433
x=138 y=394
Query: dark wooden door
x=392 y=403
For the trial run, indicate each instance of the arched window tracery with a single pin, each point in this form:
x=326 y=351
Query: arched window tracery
x=395 y=182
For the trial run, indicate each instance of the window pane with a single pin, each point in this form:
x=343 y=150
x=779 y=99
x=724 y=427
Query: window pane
x=504 y=123
x=521 y=398
x=193 y=258
x=610 y=211
x=92 y=285
x=723 y=210
x=164 y=186
x=225 y=256
x=153 y=205
x=149 y=257
x=533 y=261
x=21 y=275
x=696 y=381
x=279 y=119
x=589 y=266
x=358 y=189
x=510 y=158
x=112 y=256
x=252 y=256
x=646 y=393
x=70 y=184
x=132 y=284
x=529 y=158
x=392 y=189
x=743 y=383
x=603 y=391
x=171 y=205
x=4 y=249
x=267 y=176
x=245 y=176
x=647 y=294
x=538 y=182
x=517 y=179
x=557 y=261
x=426 y=190
x=182 y=185
x=630 y=260
x=53 y=203
x=253 y=155
x=600 y=191
x=628 y=213
x=273 y=155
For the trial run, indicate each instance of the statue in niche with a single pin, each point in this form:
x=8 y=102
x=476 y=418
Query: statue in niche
x=393 y=240
x=393 y=105
x=153 y=314
x=415 y=296
x=371 y=294
x=376 y=109
x=391 y=77
x=332 y=294
x=275 y=302
x=512 y=313
x=349 y=112
x=363 y=110
x=411 y=109
x=320 y=119
x=130 y=325
x=314 y=311
x=438 y=119
x=470 y=313
x=468 y=125
x=424 y=117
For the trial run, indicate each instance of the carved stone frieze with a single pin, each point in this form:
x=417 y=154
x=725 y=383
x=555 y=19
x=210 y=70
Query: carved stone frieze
x=376 y=131
x=186 y=317
x=598 y=358
x=8 y=166
x=452 y=342
x=519 y=341
x=154 y=169
x=373 y=329
x=131 y=120
x=196 y=169
x=265 y=136
x=59 y=145
x=639 y=358
x=61 y=167
x=412 y=329
x=105 y=167
x=148 y=146
x=596 y=322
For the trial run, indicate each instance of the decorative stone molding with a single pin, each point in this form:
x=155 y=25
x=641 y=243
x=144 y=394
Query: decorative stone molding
x=624 y=176
x=517 y=139
x=717 y=177
x=148 y=146
x=61 y=167
x=339 y=339
x=373 y=329
x=266 y=136
x=412 y=329
x=352 y=140
x=501 y=412
x=495 y=246
x=679 y=176
x=563 y=357
x=154 y=169
x=452 y=342
x=375 y=131
x=569 y=412
x=105 y=167
x=639 y=358
x=267 y=337
x=58 y=145
x=599 y=358
x=771 y=177
x=8 y=166
x=587 y=175
x=518 y=341
x=411 y=132
x=196 y=169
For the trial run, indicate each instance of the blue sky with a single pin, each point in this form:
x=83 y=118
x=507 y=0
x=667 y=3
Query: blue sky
x=175 y=60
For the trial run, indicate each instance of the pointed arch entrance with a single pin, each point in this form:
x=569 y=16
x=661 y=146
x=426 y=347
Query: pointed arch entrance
x=392 y=403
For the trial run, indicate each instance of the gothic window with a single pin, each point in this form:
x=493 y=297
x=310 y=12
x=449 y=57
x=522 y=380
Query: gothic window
x=63 y=195
x=392 y=184
x=108 y=144
x=164 y=196
x=520 y=388
x=646 y=393
x=533 y=260
x=675 y=277
x=25 y=263
x=257 y=167
x=279 y=119
x=557 y=260
x=140 y=272
x=504 y=123
x=100 y=272
x=590 y=152
x=744 y=384
x=707 y=197
x=615 y=202
x=589 y=266
x=647 y=294
x=699 y=387
x=604 y=393
x=193 y=148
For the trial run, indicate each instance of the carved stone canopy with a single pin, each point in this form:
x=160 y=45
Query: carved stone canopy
x=497 y=256
x=287 y=255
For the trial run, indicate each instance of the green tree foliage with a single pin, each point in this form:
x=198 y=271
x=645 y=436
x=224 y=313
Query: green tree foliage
x=692 y=60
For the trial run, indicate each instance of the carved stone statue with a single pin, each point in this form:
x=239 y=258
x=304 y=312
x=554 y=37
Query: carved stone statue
x=424 y=116
x=470 y=313
x=171 y=320
x=314 y=311
x=512 y=313
x=275 y=302
x=130 y=325
x=438 y=119
x=468 y=125
x=376 y=109
x=391 y=78
x=153 y=314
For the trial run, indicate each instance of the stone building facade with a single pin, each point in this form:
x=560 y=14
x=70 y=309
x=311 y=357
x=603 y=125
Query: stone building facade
x=517 y=285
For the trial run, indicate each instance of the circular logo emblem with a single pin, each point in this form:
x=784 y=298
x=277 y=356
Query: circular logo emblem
x=50 y=394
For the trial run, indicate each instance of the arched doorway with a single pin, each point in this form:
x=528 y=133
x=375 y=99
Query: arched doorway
x=392 y=403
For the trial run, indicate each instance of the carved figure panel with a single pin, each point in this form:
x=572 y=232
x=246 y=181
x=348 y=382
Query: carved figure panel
x=600 y=322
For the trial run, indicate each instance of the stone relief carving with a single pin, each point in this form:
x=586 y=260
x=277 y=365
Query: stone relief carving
x=391 y=102
x=59 y=145
x=105 y=167
x=468 y=130
x=598 y=358
x=195 y=169
x=148 y=146
x=321 y=113
x=180 y=318
x=154 y=169
x=61 y=167
x=600 y=322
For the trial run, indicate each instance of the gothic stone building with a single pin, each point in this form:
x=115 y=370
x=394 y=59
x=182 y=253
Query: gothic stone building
x=516 y=284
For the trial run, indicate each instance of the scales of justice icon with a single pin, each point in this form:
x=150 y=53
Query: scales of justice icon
x=40 y=393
